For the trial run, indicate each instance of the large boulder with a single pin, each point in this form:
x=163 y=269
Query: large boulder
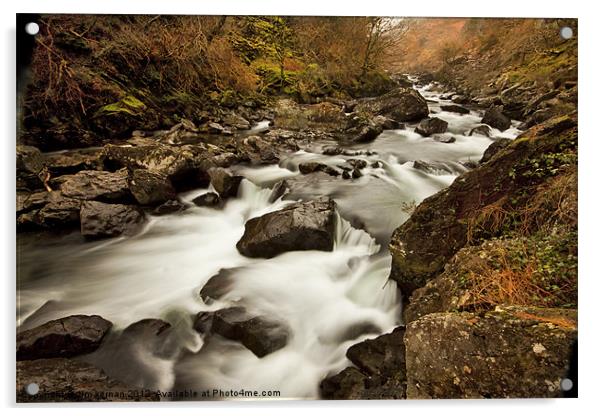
x=431 y=125
x=70 y=162
x=260 y=334
x=380 y=372
x=96 y=185
x=438 y=228
x=100 y=220
x=47 y=210
x=65 y=380
x=511 y=352
x=65 y=337
x=403 y=104
x=300 y=226
x=494 y=148
x=30 y=168
x=150 y=188
x=324 y=116
x=494 y=117
x=224 y=183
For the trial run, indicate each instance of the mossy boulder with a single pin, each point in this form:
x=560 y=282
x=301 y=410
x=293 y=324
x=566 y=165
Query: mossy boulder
x=511 y=352
x=402 y=104
x=438 y=228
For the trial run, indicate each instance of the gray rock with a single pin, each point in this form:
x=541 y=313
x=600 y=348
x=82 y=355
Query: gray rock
x=431 y=125
x=493 y=149
x=65 y=337
x=259 y=334
x=496 y=118
x=30 y=168
x=483 y=130
x=224 y=182
x=300 y=226
x=150 y=188
x=311 y=167
x=403 y=104
x=100 y=220
x=209 y=199
x=169 y=207
x=455 y=109
x=96 y=185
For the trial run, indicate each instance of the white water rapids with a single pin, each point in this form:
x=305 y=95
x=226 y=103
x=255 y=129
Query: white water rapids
x=322 y=296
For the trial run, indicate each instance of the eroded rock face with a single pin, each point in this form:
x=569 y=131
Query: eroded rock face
x=150 y=188
x=494 y=117
x=432 y=125
x=380 y=372
x=403 y=104
x=260 y=334
x=438 y=227
x=100 y=220
x=65 y=337
x=300 y=226
x=510 y=352
x=96 y=185
x=64 y=380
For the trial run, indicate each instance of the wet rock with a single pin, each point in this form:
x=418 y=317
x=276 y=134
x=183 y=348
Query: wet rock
x=460 y=99
x=209 y=199
x=367 y=133
x=218 y=285
x=100 y=220
x=150 y=188
x=455 y=109
x=494 y=117
x=444 y=138
x=357 y=163
x=279 y=190
x=438 y=227
x=323 y=116
x=387 y=123
x=493 y=149
x=403 y=104
x=224 y=182
x=346 y=175
x=483 y=130
x=510 y=352
x=311 y=167
x=65 y=380
x=96 y=185
x=356 y=173
x=259 y=334
x=300 y=226
x=431 y=126
x=433 y=168
x=169 y=207
x=380 y=372
x=65 y=337
x=332 y=151
x=30 y=168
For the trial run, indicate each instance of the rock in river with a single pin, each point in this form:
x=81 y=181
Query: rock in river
x=99 y=220
x=430 y=126
x=259 y=334
x=224 y=182
x=65 y=337
x=452 y=108
x=403 y=104
x=300 y=226
x=96 y=185
x=150 y=188
x=496 y=118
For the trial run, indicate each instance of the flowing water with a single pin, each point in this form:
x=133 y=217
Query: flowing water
x=329 y=300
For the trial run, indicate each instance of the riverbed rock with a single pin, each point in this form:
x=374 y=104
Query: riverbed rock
x=367 y=133
x=100 y=220
x=65 y=337
x=452 y=108
x=300 y=226
x=68 y=380
x=30 y=168
x=431 y=126
x=493 y=149
x=403 y=104
x=494 y=117
x=260 y=334
x=323 y=116
x=511 y=352
x=438 y=227
x=311 y=167
x=208 y=199
x=47 y=210
x=71 y=162
x=150 y=188
x=236 y=121
x=483 y=130
x=169 y=207
x=225 y=184
x=94 y=185
x=380 y=372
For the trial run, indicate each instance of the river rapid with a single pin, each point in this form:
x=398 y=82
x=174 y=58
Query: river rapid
x=329 y=300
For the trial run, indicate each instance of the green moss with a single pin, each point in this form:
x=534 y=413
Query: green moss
x=129 y=105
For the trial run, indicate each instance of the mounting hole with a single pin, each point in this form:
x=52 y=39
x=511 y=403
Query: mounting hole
x=32 y=28
x=32 y=389
x=566 y=32
x=566 y=384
